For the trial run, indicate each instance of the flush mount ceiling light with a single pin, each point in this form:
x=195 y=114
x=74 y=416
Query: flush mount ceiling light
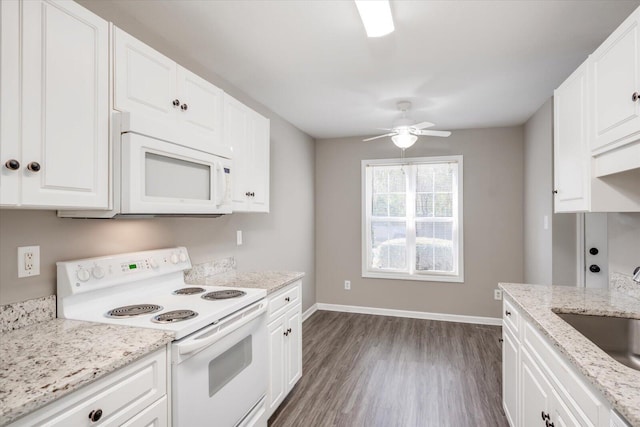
x=376 y=17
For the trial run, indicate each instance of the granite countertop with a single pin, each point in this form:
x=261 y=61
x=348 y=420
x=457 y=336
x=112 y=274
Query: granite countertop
x=42 y=362
x=618 y=383
x=272 y=281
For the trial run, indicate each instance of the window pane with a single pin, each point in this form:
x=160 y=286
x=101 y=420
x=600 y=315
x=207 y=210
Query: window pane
x=443 y=204
x=397 y=183
x=380 y=205
x=443 y=178
x=389 y=244
x=424 y=179
x=424 y=205
x=434 y=246
x=380 y=182
x=397 y=204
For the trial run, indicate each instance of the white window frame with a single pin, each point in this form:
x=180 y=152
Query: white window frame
x=458 y=235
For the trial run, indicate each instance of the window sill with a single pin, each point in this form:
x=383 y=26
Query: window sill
x=416 y=277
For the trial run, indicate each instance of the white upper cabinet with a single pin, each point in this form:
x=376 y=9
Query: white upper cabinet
x=145 y=80
x=571 y=152
x=616 y=86
x=597 y=128
x=60 y=156
x=183 y=107
x=248 y=134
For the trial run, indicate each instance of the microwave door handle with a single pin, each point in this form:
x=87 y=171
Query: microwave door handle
x=220 y=183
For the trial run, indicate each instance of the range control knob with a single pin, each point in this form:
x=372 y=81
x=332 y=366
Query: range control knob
x=183 y=257
x=83 y=274
x=153 y=263
x=174 y=259
x=97 y=272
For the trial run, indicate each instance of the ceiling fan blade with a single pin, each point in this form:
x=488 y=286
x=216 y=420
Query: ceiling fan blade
x=422 y=125
x=379 y=136
x=442 y=133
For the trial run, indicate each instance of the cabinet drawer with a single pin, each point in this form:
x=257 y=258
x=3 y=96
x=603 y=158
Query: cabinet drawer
x=120 y=396
x=153 y=416
x=510 y=316
x=573 y=390
x=288 y=297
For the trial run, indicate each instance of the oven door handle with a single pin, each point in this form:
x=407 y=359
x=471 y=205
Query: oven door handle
x=225 y=328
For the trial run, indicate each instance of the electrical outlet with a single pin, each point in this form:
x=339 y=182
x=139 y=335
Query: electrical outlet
x=347 y=285
x=497 y=294
x=28 y=261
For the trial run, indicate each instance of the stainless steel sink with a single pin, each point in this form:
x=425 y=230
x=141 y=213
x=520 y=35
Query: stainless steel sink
x=619 y=337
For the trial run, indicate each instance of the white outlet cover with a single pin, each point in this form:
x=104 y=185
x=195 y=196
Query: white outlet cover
x=23 y=251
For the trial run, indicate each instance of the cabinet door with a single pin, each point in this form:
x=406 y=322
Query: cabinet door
x=571 y=154
x=535 y=393
x=277 y=360
x=615 y=78
x=144 y=79
x=201 y=114
x=235 y=133
x=561 y=416
x=10 y=103
x=65 y=108
x=294 y=347
x=258 y=137
x=153 y=416
x=510 y=376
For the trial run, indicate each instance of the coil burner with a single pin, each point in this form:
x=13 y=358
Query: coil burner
x=133 y=310
x=188 y=291
x=174 y=316
x=231 y=293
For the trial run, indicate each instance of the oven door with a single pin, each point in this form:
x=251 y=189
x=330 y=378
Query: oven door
x=219 y=374
x=160 y=177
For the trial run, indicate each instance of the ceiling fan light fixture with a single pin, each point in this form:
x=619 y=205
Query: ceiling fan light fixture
x=404 y=140
x=376 y=17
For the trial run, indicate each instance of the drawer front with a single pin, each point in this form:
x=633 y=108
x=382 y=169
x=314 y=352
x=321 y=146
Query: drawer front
x=510 y=316
x=281 y=301
x=153 y=416
x=575 y=392
x=119 y=396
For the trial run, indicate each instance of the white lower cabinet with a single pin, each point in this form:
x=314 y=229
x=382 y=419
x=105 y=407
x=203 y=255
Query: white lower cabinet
x=285 y=344
x=540 y=387
x=133 y=396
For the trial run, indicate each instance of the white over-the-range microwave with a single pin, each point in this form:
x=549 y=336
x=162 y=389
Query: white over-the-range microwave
x=155 y=176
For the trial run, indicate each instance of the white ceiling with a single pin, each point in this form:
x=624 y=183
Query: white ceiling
x=463 y=64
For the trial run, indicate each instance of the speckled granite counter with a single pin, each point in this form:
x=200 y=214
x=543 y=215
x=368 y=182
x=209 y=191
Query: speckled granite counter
x=272 y=281
x=42 y=362
x=619 y=384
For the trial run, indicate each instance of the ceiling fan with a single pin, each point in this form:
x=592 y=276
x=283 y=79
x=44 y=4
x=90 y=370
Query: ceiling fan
x=404 y=132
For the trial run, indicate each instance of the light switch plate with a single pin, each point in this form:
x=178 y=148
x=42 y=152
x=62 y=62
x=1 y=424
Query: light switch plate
x=28 y=261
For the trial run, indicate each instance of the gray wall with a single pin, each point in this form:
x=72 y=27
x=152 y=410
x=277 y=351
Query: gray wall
x=549 y=254
x=538 y=199
x=282 y=239
x=624 y=242
x=493 y=222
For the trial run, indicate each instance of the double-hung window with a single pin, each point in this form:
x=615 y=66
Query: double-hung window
x=412 y=219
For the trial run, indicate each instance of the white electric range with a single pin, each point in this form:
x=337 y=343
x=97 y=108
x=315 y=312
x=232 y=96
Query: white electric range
x=219 y=356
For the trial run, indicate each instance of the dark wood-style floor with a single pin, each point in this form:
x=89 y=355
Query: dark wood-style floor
x=364 y=370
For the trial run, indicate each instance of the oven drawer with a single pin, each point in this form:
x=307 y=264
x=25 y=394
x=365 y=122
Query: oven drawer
x=283 y=299
x=119 y=396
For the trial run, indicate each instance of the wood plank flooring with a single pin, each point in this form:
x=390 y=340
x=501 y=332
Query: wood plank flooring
x=364 y=370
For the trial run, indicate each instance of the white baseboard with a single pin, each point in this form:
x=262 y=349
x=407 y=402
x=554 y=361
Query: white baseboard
x=478 y=320
x=309 y=312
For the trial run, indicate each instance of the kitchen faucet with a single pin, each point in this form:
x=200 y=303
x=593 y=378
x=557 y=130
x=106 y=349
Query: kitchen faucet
x=636 y=275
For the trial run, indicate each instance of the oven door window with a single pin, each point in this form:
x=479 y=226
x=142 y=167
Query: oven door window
x=229 y=364
x=173 y=178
